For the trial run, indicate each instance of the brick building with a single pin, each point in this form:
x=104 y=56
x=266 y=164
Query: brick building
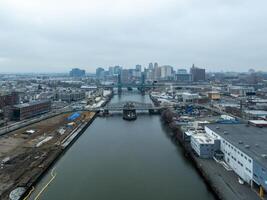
x=9 y=99
x=28 y=110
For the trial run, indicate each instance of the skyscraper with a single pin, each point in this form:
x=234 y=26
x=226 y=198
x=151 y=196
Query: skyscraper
x=125 y=76
x=198 y=74
x=138 y=68
x=111 y=71
x=100 y=72
x=150 y=66
x=117 y=69
x=156 y=72
x=76 y=72
x=166 y=72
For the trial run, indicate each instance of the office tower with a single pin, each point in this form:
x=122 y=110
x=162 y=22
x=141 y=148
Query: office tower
x=198 y=74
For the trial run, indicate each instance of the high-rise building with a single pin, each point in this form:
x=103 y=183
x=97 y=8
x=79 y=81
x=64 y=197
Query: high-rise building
x=166 y=72
x=117 y=69
x=150 y=66
x=111 y=71
x=125 y=76
x=148 y=74
x=183 y=76
x=198 y=74
x=76 y=72
x=156 y=72
x=138 y=68
x=100 y=73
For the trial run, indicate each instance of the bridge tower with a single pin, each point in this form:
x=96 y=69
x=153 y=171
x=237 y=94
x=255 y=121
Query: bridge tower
x=143 y=80
x=119 y=84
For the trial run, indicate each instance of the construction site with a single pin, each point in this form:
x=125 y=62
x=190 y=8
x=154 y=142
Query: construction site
x=26 y=154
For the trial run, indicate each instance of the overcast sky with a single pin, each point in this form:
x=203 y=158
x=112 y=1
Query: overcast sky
x=56 y=35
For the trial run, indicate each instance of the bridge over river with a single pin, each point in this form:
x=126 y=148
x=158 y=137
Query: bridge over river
x=128 y=105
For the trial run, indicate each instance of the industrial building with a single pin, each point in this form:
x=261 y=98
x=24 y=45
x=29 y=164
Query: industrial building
x=28 y=110
x=237 y=91
x=189 y=97
x=214 y=95
x=204 y=146
x=245 y=150
x=255 y=114
x=70 y=96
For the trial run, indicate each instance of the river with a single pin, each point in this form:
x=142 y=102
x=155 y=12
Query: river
x=118 y=160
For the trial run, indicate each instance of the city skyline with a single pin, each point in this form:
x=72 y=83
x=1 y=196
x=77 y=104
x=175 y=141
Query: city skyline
x=89 y=70
x=55 y=36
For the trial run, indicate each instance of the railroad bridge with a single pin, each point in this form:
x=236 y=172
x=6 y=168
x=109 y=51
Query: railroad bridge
x=138 y=106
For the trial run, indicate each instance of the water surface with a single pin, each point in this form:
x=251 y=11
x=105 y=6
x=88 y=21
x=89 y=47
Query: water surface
x=117 y=160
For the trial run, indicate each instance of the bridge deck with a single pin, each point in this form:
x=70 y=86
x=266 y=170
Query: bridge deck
x=136 y=105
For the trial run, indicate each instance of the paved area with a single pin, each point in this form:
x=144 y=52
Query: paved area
x=226 y=182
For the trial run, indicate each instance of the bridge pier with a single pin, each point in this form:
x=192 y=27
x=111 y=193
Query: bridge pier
x=153 y=111
x=106 y=112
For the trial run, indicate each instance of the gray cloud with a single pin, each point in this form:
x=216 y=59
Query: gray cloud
x=54 y=36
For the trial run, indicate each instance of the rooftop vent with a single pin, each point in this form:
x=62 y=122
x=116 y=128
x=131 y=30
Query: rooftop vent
x=264 y=156
x=240 y=142
x=247 y=146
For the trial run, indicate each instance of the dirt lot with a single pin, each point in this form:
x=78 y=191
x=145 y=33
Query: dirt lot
x=24 y=156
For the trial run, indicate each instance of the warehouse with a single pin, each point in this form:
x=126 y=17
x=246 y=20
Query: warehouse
x=245 y=150
x=28 y=110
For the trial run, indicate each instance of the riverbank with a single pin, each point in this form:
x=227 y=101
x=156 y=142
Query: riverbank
x=28 y=153
x=67 y=143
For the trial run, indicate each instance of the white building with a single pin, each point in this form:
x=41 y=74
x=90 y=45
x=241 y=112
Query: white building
x=204 y=145
x=189 y=97
x=235 y=149
x=165 y=71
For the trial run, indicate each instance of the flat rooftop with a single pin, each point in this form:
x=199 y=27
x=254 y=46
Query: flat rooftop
x=249 y=139
x=256 y=112
x=23 y=105
x=202 y=138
